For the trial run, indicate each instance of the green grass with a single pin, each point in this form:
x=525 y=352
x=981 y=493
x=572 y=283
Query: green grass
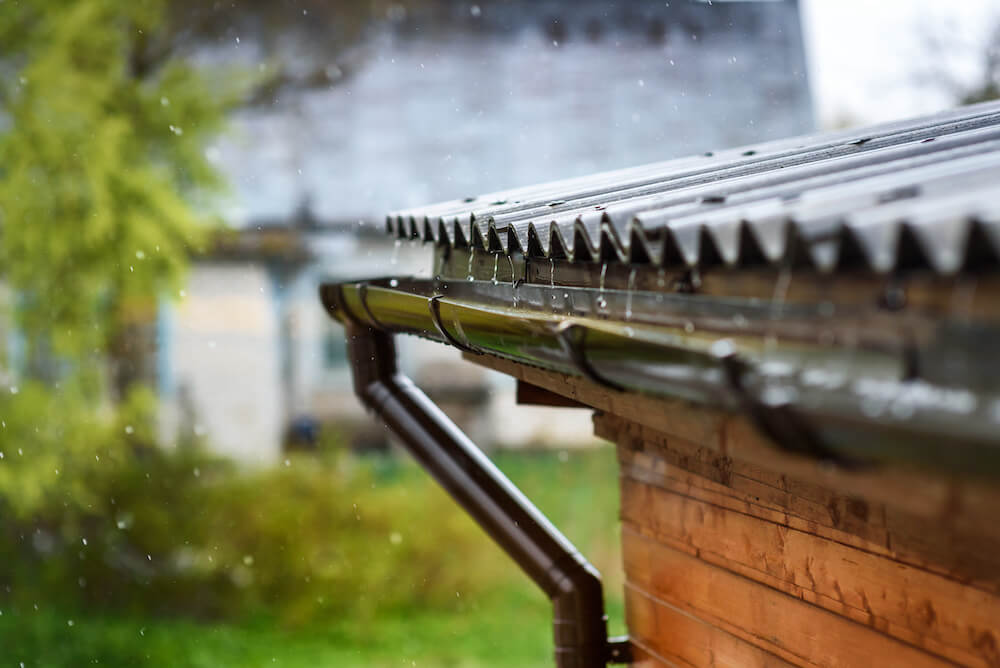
x=510 y=626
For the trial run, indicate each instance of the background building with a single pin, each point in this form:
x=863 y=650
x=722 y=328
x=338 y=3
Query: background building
x=448 y=100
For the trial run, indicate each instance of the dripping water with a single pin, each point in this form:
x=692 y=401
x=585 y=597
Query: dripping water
x=628 y=296
x=472 y=254
x=496 y=265
x=552 y=282
x=778 y=303
x=602 y=303
x=513 y=280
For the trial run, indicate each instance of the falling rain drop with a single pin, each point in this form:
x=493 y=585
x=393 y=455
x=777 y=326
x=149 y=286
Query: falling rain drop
x=472 y=254
x=496 y=265
x=628 y=297
x=395 y=251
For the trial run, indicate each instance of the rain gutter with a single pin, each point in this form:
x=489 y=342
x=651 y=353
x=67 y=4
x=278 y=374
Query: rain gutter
x=511 y=520
x=845 y=387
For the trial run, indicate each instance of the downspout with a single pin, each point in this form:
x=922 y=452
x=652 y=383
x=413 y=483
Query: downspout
x=511 y=520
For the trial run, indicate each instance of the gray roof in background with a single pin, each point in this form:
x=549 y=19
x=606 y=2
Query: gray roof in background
x=448 y=108
x=917 y=193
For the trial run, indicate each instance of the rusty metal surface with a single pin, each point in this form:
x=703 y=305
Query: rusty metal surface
x=922 y=193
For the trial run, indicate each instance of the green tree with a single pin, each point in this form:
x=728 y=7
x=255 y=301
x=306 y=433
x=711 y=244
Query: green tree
x=105 y=192
x=104 y=187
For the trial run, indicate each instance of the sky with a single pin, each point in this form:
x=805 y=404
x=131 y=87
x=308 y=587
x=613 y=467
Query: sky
x=865 y=55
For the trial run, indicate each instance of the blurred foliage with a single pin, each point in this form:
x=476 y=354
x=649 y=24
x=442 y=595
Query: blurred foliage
x=329 y=561
x=180 y=532
x=104 y=183
x=329 y=556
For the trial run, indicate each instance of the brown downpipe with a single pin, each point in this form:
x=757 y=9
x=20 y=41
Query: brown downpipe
x=511 y=520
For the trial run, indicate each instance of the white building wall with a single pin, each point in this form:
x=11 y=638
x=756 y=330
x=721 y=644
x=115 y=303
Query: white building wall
x=221 y=350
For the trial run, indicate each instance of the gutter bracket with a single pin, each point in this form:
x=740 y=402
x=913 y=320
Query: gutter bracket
x=572 y=337
x=434 y=304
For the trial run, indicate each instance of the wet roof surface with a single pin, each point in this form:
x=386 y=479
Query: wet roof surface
x=921 y=193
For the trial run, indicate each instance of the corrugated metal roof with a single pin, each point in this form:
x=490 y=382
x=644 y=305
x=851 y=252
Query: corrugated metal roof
x=917 y=193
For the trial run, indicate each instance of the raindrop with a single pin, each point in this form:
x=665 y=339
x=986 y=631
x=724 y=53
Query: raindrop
x=472 y=254
x=140 y=255
x=628 y=297
x=288 y=462
x=129 y=429
x=552 y=273
x=70 y=622
x=604 y=272
x=475 y=10
x=197 y=472
x=237 y=40
x=393 y=283
x=496 y=264
x=395 y=251
x=722 y=348
x=13 y=390
x=165 y=101
x=689 y=327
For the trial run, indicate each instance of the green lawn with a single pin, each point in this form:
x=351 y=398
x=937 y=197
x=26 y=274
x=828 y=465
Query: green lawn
x=508 y=627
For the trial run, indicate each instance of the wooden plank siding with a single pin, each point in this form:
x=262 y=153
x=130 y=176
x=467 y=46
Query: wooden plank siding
x=771 y=567
x=739 y=554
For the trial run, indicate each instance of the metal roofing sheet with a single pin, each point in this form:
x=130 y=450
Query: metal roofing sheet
x=916 y=193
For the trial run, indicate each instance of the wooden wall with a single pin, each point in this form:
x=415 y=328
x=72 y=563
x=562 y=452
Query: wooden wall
x=729 y=564
x=739 y=554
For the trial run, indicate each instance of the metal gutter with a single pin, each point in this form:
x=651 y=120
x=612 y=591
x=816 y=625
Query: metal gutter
x=511 y=520
x=842 y=384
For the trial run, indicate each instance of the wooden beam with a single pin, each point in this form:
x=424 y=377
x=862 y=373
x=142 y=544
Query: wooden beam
x=533 y=395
